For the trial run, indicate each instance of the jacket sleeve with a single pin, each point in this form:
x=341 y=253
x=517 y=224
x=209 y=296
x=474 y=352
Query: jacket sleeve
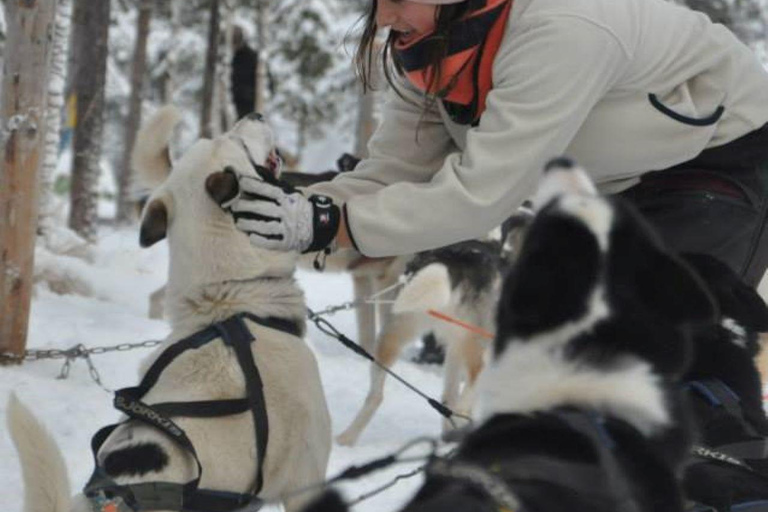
x=410 y=144
x=548 y=75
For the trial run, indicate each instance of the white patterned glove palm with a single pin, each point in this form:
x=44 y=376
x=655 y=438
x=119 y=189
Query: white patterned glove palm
x=278 y=217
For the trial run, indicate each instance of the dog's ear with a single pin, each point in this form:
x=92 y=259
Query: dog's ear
x=668 y=285
x=222 y=186
x=154 y=222
x=737 y=299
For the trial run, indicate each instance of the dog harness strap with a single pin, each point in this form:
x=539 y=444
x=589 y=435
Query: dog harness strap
x=103 y=491
x=138 y=410
x=592 y=425
x=235 y=333
x=197 y=340
x=203 y=409
x=295 y=327
x=757 y=449
x=719 y=394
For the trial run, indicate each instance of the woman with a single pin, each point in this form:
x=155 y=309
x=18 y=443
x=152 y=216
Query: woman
x=655 y=101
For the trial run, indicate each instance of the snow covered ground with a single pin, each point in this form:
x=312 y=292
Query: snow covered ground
x=122 y=277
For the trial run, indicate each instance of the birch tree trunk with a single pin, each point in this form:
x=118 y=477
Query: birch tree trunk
x=138 y=73
x=25 y=78
x=262 y=22
x=90 y=40
x=57 y=77
x=206 y=116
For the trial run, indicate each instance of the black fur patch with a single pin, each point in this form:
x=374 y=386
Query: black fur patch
x=135 y=460
x=473 y=264
x=552 y=279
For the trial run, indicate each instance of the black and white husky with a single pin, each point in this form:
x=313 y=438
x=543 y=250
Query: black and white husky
x=581 y=406
x=214 y=273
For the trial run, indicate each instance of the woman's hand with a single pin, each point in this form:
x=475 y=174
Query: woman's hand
x=280 y=218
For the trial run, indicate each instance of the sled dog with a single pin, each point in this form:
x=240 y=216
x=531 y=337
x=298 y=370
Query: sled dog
x=221 y=286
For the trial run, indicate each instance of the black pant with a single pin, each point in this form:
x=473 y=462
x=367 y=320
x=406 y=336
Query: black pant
x=715 y=204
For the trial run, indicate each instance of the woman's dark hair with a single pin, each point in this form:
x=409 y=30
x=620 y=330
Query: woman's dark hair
x=365 y=58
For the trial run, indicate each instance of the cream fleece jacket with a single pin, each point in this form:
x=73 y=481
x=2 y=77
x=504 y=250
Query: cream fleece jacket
x=622 y=86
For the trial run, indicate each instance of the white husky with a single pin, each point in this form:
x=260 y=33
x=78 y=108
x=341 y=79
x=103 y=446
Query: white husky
x=214 y=273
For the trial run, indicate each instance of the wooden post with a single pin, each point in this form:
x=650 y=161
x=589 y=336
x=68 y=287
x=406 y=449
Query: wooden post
x=22 y=132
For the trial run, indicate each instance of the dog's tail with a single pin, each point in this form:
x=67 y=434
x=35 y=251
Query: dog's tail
x=46 y=484
x=429 y=288
x=151 y=158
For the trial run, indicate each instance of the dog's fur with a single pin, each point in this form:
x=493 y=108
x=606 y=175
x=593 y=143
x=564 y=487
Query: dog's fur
x=460 y=280
x=594 y=316
x=726 y=351
x=214 y=273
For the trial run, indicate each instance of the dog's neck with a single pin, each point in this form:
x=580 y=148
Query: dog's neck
x=195 y=308
x=531 y=377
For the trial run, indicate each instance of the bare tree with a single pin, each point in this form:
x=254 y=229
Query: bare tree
x=206 y=116
x=90 y=43
x=138 y=74
x=224 y=103
x=56 y=81
x=30 y=25
x=262 y=22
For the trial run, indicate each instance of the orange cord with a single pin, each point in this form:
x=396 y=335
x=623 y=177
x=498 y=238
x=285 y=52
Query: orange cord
x=471 y=328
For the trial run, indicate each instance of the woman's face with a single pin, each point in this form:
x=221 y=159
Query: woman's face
x=410 y=19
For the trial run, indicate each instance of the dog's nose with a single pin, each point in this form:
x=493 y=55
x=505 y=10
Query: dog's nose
x=255 y=116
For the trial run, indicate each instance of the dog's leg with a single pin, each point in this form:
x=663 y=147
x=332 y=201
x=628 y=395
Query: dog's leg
x=451 y=377
x=395 y=334
x=157 y=303
x=366 y=313
x=473 y=350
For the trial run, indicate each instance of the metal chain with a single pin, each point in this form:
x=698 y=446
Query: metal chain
x=77 y=351
x=372 y=299
x=71 y=354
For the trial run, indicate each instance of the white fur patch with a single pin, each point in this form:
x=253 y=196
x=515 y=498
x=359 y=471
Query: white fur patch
x=430 y=288
x=535 y=376
x=558 y=182
x=739 y=333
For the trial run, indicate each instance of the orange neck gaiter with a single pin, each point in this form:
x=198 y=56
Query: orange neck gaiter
x=468 y=64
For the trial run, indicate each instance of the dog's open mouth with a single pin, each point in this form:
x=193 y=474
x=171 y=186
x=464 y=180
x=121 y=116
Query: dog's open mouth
x=275 y=162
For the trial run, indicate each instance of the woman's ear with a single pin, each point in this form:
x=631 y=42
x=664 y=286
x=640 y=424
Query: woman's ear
x=154 y=221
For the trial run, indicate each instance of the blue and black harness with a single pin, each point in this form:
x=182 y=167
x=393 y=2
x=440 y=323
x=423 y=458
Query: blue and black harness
x=737 y=455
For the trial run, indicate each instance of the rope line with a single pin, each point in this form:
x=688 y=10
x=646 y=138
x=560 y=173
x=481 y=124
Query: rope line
x=328 y=329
